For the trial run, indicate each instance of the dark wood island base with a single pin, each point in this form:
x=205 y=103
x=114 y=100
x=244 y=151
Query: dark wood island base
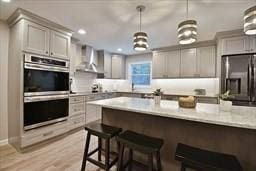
x=237 y=141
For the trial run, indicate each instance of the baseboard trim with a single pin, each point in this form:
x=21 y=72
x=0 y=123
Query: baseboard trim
x=3 y=142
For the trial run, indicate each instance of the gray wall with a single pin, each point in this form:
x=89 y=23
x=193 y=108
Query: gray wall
x=4 y=42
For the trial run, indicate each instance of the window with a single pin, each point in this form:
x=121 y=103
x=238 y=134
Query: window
x=140 y=74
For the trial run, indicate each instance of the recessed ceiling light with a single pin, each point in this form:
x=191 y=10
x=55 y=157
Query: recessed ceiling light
x=7 y=1
x=119 y=50
x=81 y=31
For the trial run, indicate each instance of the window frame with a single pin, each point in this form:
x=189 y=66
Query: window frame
x=130 y=73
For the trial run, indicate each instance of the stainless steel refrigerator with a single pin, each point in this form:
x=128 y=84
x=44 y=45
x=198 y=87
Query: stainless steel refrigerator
x=238 y=74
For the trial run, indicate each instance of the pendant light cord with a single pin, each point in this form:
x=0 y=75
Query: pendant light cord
x=140 y=19
x=187 y=10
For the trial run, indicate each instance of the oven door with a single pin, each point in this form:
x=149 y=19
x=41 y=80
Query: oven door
x=45 y=80
x=44 y=110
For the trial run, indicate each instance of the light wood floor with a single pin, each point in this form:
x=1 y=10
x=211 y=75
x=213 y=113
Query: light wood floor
x=62 y=155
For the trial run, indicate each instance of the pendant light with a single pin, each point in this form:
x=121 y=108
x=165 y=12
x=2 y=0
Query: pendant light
x=187 y=30
x=140 y=39
x=250 y=21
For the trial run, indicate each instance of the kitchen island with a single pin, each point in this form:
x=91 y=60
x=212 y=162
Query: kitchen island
x=205 y=127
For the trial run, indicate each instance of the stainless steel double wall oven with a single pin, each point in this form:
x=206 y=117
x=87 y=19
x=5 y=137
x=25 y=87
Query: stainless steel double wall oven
x=46 y=90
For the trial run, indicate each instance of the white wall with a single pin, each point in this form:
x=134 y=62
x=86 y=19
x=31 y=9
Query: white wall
x=4 y=42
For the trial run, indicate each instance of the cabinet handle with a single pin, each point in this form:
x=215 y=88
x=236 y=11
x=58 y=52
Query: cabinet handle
x=46 y=52
x=51 y=53
x=47 y=134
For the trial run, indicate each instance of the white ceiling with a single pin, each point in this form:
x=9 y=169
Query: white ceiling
x=110 y=24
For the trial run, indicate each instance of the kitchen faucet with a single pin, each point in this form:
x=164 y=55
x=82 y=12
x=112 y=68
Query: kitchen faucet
x=133 y=87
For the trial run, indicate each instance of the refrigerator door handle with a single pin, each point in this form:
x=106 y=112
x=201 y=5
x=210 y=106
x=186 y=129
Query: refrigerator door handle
x=249 y=80
x=253 y=78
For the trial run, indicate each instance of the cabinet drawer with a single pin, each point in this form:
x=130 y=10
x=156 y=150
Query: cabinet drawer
x=207 y=100
x=41 y=134
x=76 y=99
x=76 y=108
x=76 y=121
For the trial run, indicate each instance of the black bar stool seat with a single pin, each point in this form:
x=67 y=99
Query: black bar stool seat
x=102 y=132
x=142 y=143
x=200 y=159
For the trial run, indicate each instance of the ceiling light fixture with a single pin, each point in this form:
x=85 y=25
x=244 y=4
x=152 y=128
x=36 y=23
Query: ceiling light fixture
x=187 y=30
x=119 y=50
x=81 y=31
x=6 y=1
x=140 y=39
x=250 y=21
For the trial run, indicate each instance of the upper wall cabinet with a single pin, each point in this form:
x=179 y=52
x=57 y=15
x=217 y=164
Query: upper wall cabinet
x=238 y=45
x=166 y=64
x=173 y=64
x=59 y=45
x=118 y=67
x=36 y=38
x=158 y=65
x=188 y=63
x=206 y=61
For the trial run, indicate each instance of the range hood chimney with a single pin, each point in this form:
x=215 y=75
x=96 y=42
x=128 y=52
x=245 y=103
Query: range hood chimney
x=89 y=60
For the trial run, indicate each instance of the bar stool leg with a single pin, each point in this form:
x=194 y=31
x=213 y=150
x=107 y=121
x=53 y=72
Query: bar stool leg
x=130 y=160
x=120 y=158
x=99 y=148
x=183 y=167
x=86 y=151
x=107 y=154
x=150 y=162
x=158 y=161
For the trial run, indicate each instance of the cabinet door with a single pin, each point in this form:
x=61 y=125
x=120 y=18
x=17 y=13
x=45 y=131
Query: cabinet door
x=235 y=45
x=159 y=65
x=36 y=38
x=117 y=67
x=252 y=44
x=107 y=64
x=173 y=64
x=188 y=63
x=60 y=45
x=206 y=61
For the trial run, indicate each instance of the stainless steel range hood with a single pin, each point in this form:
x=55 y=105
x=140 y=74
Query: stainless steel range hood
x=89 y=60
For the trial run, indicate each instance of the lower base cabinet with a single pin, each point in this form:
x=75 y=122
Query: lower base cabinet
x=41 y=134
x=76 y=121
x=93 y=113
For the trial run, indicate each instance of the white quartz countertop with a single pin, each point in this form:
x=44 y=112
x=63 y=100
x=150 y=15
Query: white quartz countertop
x=240 y=116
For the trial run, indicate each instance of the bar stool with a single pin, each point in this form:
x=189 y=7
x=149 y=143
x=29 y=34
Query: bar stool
x=102 y=132
x=138 y=142
x=198 y=159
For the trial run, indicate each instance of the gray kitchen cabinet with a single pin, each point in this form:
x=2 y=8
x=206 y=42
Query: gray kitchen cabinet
x=188 y=63
x=173 y=64
x=166 y=64
x=107 y=65
x=210 y=100
x=60 y=45
x=36 y=38
x=252 y=40
x=236 y=45
x=43 y=41
x=206 y=61
x=118 y=67
x=104 y=63
x=159 y=65
x=77 y=109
